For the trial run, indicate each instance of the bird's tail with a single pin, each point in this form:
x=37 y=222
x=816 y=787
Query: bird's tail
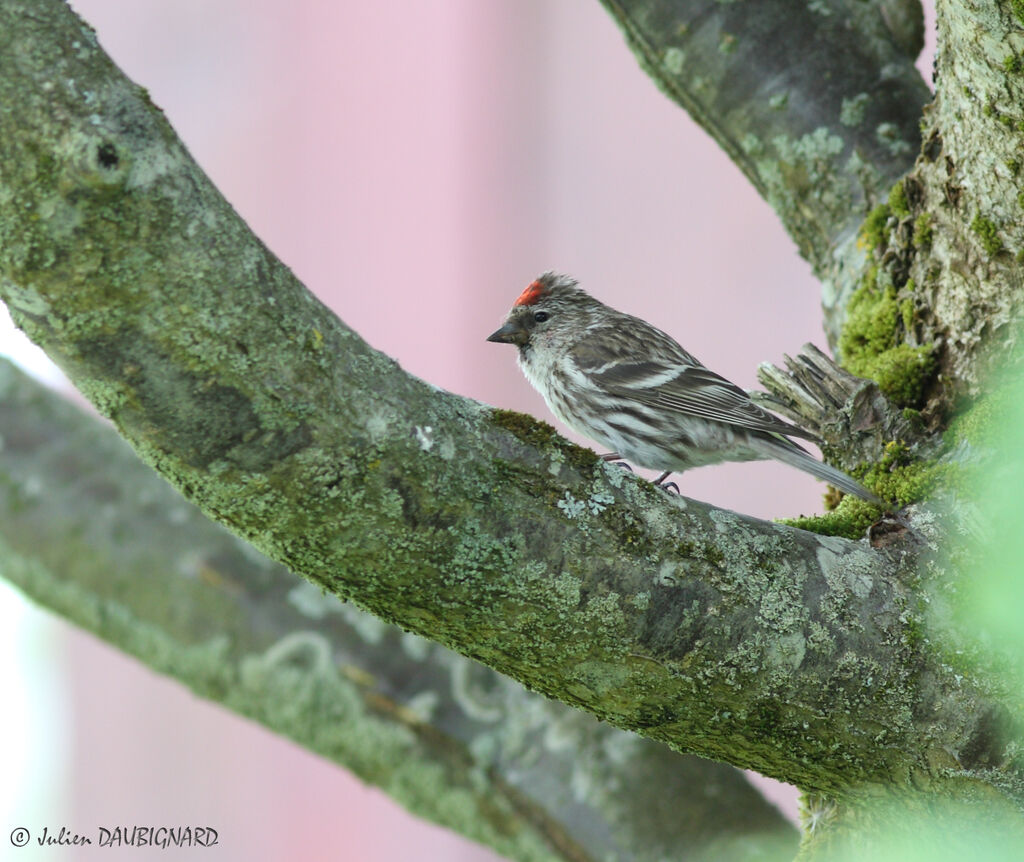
x=790 y=453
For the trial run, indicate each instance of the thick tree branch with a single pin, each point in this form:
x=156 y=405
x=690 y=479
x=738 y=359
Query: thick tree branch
x=950 y=246
x=451 y=740
x=762 y=646
x=817 y=103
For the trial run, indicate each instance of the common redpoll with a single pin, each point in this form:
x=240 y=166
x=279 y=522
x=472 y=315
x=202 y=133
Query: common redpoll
x=632 y=388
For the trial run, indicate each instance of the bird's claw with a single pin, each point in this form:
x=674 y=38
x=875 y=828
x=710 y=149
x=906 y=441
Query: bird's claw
x=616 y=459
x=668 y=486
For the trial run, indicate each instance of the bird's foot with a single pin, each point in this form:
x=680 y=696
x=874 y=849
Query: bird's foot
x=668 y=486
x=616 y=459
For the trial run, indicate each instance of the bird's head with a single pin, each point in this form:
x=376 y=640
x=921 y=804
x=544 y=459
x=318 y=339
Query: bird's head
x=551 y=305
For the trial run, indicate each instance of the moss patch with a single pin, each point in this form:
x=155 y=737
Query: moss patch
x=897 y=477
x=874 y=232
x=539 y=434
x=850 y=519
x=898 y=201
x=923 y=231
x=871 y=343
x=988 y=233
x=902 y=373
x=1017 y=8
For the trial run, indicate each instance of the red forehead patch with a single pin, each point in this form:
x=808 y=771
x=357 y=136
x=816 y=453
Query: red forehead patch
x=531 y=295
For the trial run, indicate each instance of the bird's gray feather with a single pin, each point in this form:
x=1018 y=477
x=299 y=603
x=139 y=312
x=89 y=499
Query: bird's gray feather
x=681 y=383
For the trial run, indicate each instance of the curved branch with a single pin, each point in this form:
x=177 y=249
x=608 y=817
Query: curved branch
x=817 y=103
x=452 y=741
x=743 y=641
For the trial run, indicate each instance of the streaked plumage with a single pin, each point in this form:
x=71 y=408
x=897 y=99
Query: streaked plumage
x=632 y=388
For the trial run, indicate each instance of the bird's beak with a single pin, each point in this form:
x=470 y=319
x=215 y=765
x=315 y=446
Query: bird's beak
x=510 y=333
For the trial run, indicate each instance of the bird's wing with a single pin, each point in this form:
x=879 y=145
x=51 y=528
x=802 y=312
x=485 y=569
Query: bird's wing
x=668 y=377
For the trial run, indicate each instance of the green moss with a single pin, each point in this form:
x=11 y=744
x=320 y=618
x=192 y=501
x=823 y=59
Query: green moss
x=923 y=231
x=908 y=312
x=974 y=424
x=903 y=373
x=874 y=232
x=898 y=200
x=1012 y=64
x=871 y=316
x=871 y=343
x=988 y=233
x=1017 y=8
x=533 y=432
x=1020 y=200
x=850 y=519
x=1013 y=166
x=897 y=477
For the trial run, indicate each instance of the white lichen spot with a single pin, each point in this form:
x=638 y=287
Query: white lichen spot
x=725 y=521
x=674 y=60
x=849 y=572
x=599 y=502
x=370 y=629
x=475 y=701
x=641 y=601
x=557 y=460
x=888 y=135
x=778 y=101
x=309 y=650
x=572 y=507
x=816 y=812
x=376 y=426
x=612 y=473
x=819 y=7
x=788 y=650
x=414 y=646
x=620 y=747
x=666 y=576
x=817 y=146
x=851 y=113
x=153 y=163
x=312 y=602
x=424 y=434
x=446 y=449
x=752 y=145
x=24 y=299
x=423 y=705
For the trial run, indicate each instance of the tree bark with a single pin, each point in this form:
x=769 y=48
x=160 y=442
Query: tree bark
x=817 y=103
x=449 y=739
x=805 y=657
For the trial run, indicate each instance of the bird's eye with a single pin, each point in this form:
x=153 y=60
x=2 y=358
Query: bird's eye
x=540 y=316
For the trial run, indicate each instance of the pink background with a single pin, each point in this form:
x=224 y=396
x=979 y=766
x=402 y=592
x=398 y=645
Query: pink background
x=416 y=164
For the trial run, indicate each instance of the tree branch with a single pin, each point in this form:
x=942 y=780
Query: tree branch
x=950 y=247
x=822 y=146
x=451 y=740
x=743 y=641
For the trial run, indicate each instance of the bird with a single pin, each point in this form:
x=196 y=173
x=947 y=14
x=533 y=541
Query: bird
x=632 y=388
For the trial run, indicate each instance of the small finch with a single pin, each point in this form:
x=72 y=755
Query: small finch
x=632 y=388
